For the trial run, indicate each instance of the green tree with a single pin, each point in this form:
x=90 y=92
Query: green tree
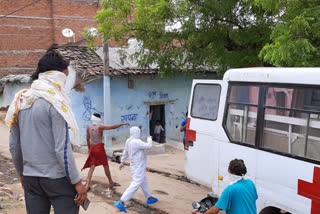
x=194 y=35
x=296 y=35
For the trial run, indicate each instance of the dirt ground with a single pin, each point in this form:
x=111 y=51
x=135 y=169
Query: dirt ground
x=11 y=193
x=165 y=177
x=2 y=116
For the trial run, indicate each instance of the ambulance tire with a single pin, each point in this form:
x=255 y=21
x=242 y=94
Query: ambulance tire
x=272 y=210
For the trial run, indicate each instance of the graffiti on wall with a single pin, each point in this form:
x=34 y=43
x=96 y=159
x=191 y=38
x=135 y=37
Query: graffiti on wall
x=183 y=114
x=129 y=118
x=88 y=109
x=163 y=95
x=160 y=95
x=152 y=94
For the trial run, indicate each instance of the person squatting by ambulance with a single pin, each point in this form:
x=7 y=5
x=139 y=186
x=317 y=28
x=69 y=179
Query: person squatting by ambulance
x=240 y=196
x=135 y=150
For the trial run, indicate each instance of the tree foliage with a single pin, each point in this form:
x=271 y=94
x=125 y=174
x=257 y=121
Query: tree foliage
x=296 y=35
x=194 y=35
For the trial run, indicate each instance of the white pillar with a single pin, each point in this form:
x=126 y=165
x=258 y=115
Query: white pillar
x=107 y=110
x=107 y=95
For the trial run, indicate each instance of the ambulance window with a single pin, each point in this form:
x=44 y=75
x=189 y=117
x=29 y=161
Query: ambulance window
x=205 y=103
x=241 y=114
x=292 y=121
x=244 y=94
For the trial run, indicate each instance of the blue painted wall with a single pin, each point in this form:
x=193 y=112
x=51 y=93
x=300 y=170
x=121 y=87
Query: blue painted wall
x=127 y=105
x=84 y=104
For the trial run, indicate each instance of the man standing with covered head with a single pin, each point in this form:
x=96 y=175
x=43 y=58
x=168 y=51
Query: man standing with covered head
x=97 y=153
x=40 y=119
x=135 y=150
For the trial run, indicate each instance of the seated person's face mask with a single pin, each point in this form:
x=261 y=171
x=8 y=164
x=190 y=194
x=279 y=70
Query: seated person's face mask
x=234 y=178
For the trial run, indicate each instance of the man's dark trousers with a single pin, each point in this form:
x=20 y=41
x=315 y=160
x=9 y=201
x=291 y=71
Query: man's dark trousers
x=41 y=193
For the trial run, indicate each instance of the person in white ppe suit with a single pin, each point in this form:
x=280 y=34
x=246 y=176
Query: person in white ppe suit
x=135 y=150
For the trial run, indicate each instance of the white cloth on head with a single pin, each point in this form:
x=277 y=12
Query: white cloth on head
x=95 y=120
x=135 y=150
x=49 y=86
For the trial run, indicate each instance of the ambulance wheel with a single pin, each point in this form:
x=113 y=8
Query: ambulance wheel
x=272 y=210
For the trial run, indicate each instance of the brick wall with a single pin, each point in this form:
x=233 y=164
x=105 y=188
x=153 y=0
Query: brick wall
x=26 y=34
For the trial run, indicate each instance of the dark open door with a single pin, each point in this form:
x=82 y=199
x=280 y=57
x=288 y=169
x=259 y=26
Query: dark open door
x=157 y=112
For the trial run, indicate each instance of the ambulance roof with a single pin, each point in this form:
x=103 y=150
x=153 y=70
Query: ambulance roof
x=274 y=75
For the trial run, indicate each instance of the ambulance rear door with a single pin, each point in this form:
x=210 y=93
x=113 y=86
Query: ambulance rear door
x=205 y=131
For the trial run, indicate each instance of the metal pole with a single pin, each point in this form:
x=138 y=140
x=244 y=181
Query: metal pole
x=290 y=138
x=106 y=59
x=107 y=94
x=245 y=126
x=307 y=136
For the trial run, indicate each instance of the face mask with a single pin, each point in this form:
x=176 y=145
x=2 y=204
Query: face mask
x=234 y=178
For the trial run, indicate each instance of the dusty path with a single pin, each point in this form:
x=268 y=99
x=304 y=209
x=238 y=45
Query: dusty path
x=15 y=204
x=12 y=200
x=165 y=180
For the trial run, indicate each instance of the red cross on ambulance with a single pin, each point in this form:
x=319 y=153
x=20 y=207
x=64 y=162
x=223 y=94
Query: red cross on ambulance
x=311 y=190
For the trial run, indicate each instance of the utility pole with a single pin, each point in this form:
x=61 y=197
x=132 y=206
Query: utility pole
x=106 y=93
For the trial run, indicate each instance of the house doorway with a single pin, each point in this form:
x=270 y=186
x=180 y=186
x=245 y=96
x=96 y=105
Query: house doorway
x=157 y=113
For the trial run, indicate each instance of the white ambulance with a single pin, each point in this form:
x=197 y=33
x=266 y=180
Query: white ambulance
x=270 y=118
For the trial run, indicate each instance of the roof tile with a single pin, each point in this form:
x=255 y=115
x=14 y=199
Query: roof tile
x=91 y=64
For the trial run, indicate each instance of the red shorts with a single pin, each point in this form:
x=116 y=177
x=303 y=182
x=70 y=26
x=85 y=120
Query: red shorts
x=97 y=156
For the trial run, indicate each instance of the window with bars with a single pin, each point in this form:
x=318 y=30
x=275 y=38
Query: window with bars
x=294 y=126
x=277 y=118
x=241 y=115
